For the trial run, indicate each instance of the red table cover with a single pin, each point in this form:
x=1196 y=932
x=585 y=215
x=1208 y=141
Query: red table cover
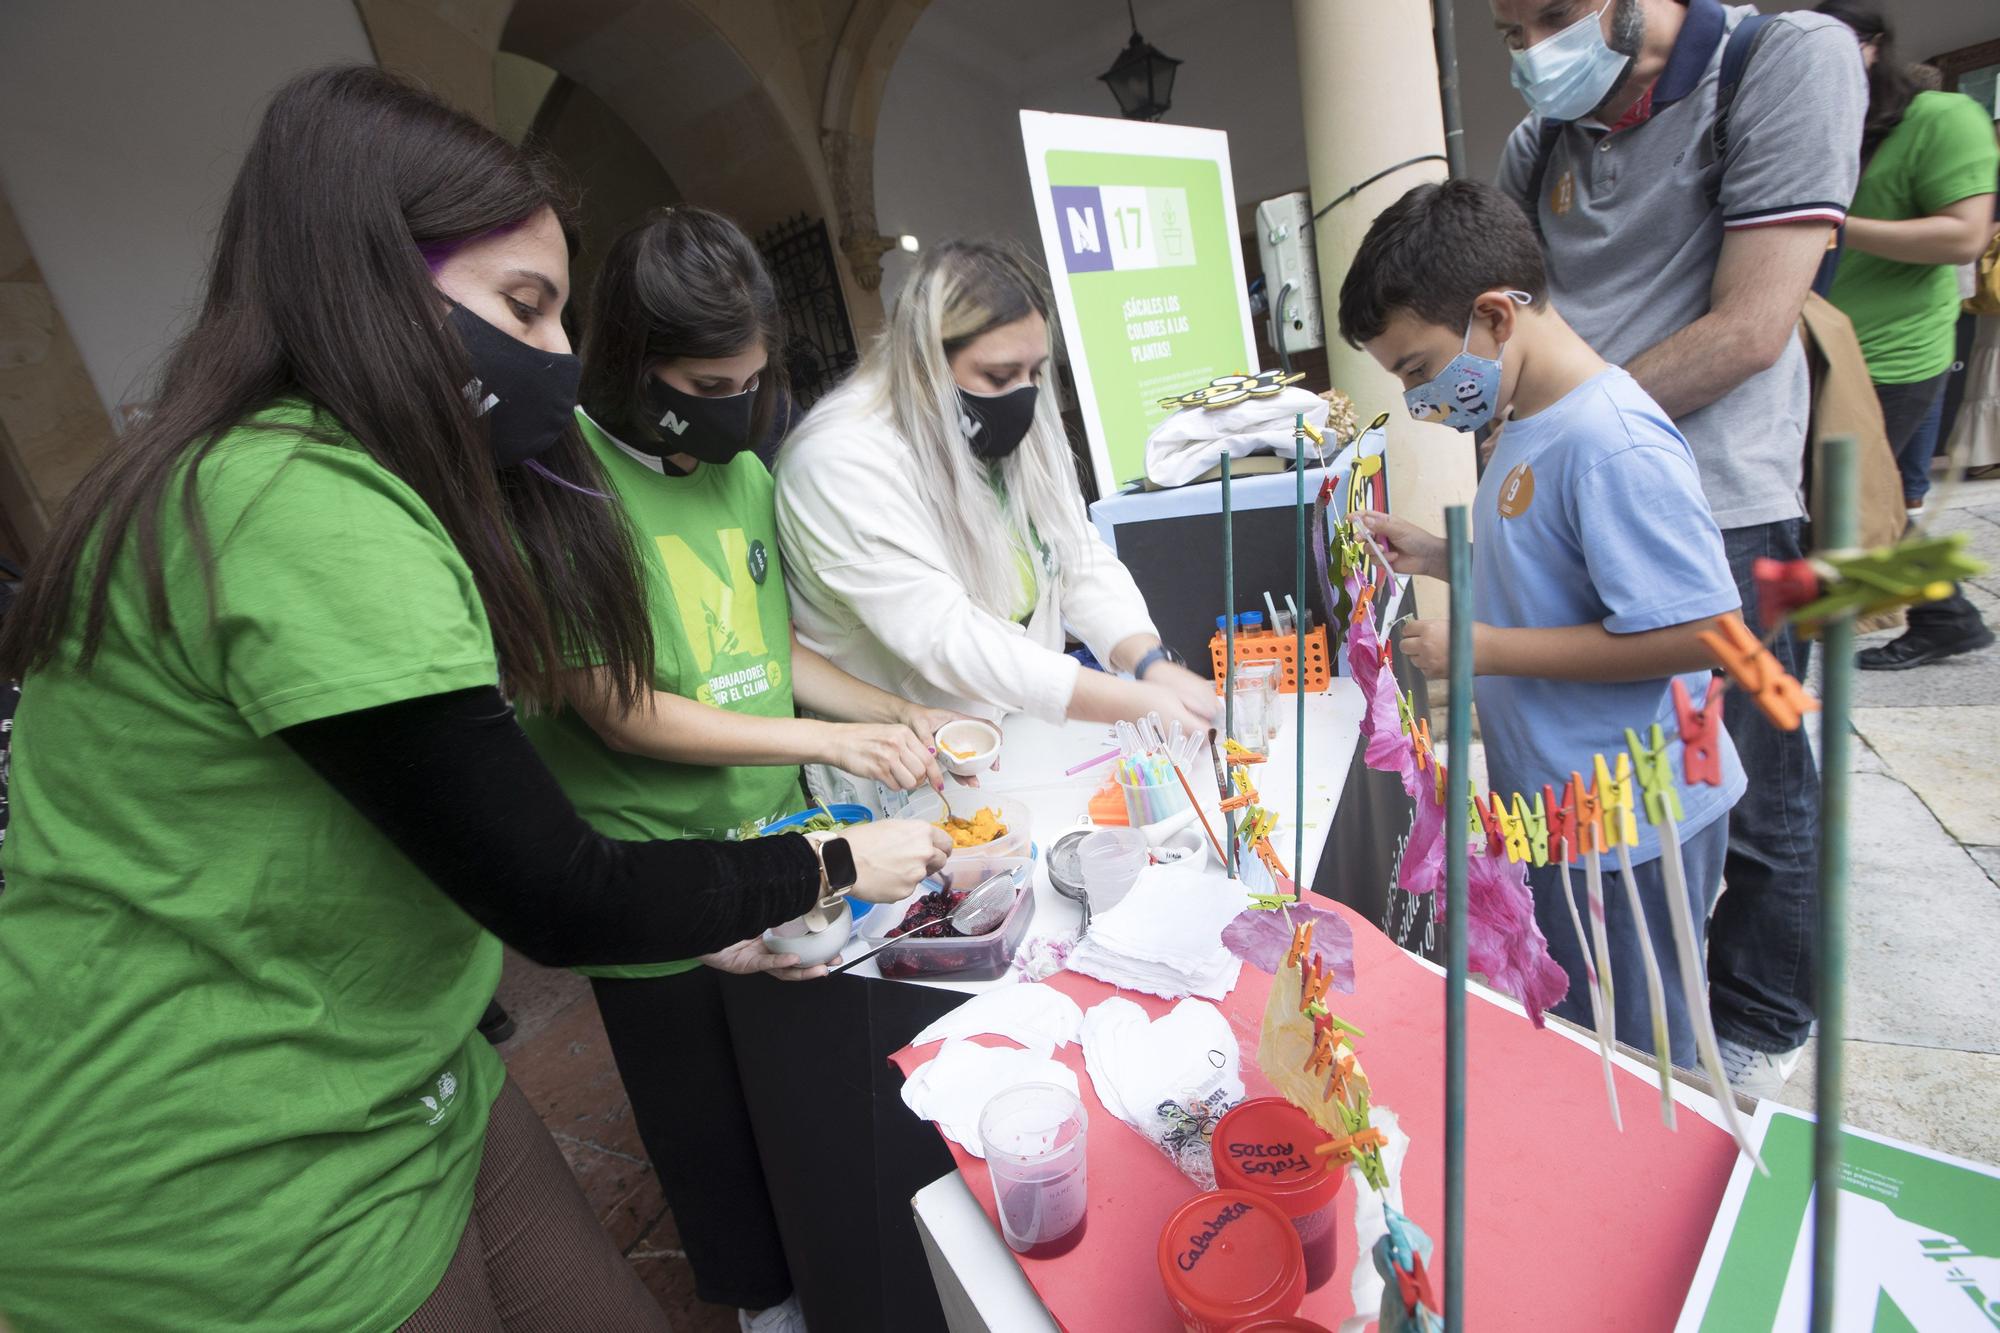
x=1572 y=1224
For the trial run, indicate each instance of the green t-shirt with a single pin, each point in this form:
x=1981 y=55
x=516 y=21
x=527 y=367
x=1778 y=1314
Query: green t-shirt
x=1025 y=561
x=241 y=1084
x=722 y=631
x=1905 y=314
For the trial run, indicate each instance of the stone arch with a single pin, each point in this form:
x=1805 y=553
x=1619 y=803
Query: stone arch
x=857 y=72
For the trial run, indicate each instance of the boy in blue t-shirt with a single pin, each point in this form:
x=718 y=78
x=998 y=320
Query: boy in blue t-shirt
x=1595 y=561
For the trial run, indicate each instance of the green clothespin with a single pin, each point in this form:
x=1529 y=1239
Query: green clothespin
x=1407 y=711
x=1474 y=824
x=1534 y=821
x=1656 y=776
x=1270 y=902
x=1920 y=570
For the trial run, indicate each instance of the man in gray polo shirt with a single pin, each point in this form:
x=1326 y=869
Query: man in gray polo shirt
x=1689 y=270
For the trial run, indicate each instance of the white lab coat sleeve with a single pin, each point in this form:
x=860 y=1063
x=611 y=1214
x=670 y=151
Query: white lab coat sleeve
x=1100 y=603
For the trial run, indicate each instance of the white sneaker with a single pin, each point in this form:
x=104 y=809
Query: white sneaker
x=1758 y=1074
x=785 y=1317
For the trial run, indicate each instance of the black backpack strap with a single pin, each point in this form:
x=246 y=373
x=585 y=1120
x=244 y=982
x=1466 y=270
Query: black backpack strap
x=1735 y=59
x=1538 y=174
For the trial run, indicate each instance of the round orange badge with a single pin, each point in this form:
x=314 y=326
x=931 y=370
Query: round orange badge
x=1517 y=491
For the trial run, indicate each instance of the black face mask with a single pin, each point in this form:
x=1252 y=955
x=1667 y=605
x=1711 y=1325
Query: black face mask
x=996 y=423
x=526 y=395
x=713 y=430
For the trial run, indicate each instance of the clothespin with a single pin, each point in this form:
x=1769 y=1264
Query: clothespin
x=1235 y=752
x=1320 y=1058
x=1656 y=775
x=1363 y=604
x=1407 y=711
x=1269 y=856
x=1750 y=664
x=1270 y=902
x=1783 y=586
x=1513 y=833
x=1313 y=979
x=1589 y=815
x=1496 y=841
x=1413 y=1286
x=1302 y=942
x=1337 y=1081
x=1921 y=569
x=1475 y=827
x=1347 y=1145
x=1563 y=844
x=1442 y=776
x=1614 y=795
x=1534 y=822
x=1421 y=740
x=1699 y=729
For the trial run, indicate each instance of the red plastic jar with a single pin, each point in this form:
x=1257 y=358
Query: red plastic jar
x=1289 y=1324
x=1229 y=1256
x=1265 y=1147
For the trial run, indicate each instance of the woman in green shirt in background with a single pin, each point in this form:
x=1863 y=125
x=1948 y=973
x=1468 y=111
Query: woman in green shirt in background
x=678 y=385
x=1923 y=207
x=270 y=808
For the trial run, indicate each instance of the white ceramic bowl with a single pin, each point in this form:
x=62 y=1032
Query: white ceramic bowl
x=813 y=947
x=978 y=741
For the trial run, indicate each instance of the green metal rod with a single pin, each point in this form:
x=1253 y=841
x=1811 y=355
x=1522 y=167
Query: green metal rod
x=1228 y=647
x=1299 y=876
x=1837 y=532
x=1458 y=542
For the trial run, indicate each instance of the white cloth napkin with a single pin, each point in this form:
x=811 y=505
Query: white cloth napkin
x=1165 y=938
x=1030 y=1014
x=1192 y=440
x=1170 y=1078
x=952 y=1087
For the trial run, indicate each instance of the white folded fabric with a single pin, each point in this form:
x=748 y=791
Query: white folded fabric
x=952 y=1088
x=1030 y=1014
x=1170 y=1079
x=1165 y=938
x=1192 y=440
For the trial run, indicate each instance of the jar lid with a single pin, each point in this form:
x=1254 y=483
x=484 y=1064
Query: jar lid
x=1230 y=1256
x=1288 y=1324
x=1251 y=620
x=1265 y=1146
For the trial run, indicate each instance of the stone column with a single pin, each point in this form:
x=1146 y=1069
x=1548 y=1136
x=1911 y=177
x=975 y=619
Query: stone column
x=1368 y=91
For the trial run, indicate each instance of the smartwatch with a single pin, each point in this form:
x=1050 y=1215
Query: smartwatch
x=836 y=864
x=1159 y=653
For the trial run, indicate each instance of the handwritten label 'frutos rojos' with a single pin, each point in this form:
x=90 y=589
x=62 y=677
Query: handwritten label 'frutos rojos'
x=1268 y=1159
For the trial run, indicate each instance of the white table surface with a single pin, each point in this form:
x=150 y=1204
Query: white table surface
x=1034 y=756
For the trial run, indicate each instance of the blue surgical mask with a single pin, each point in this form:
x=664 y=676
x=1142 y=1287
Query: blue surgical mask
x=1465 y=394
x=1564 y=76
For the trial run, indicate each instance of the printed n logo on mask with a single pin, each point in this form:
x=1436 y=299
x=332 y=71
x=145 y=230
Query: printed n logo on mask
x=719 y=618
x=674 y=424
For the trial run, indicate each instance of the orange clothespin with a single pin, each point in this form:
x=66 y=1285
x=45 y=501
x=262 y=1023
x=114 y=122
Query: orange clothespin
x=1589 y=815
x=1269 y=856
x=1614 y=795
x=1320 y=1059
x=1235 y=752
x=1337 y=1081
x=1238 y=801
x=1313 y=980
x=1563 y=845
x=1347 y=1145
x=1422 y=741
x=1699 y=730
x=1750 y=664
x=1302 y=941
x=1362 y=603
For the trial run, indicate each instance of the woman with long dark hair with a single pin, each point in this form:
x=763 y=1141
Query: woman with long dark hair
x=271 y=804
x=1924 y=206
x=678 y=387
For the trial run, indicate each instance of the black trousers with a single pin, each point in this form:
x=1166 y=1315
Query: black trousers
x=670 y=1038
x=1904 y=407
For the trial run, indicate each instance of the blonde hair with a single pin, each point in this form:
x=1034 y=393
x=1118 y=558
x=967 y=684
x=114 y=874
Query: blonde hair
x=959 y=291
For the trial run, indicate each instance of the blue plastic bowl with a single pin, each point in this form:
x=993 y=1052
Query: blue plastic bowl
x=846 y=814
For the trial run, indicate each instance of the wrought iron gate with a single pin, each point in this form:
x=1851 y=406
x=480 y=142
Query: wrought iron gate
x=819 y=339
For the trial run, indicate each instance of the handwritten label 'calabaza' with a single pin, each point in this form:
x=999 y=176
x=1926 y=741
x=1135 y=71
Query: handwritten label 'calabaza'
x=1268 y=1159
x=1199 y=1242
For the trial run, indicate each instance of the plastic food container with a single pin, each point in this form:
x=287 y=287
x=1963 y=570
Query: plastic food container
x=844 y=815
x=1228 y=1258
x=1265 y=1147
x=1289 y=1324
x=978 y=957
x=1018 y=840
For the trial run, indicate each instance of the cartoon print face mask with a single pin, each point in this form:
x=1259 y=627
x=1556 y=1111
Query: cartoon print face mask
x=1465 y=394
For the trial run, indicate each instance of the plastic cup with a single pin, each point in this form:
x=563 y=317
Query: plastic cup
x=1265 y=1147
x=1229 y=1258
x=1034 y=1137
x=1111 y=860
x=1149 y=803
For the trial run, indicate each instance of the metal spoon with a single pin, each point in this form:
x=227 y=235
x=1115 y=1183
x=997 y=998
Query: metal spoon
x=982 y=910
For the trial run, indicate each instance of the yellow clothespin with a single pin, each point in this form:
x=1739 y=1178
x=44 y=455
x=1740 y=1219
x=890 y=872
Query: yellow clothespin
x=1656 y=775
x=1614 y=794
x=1513 y=832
